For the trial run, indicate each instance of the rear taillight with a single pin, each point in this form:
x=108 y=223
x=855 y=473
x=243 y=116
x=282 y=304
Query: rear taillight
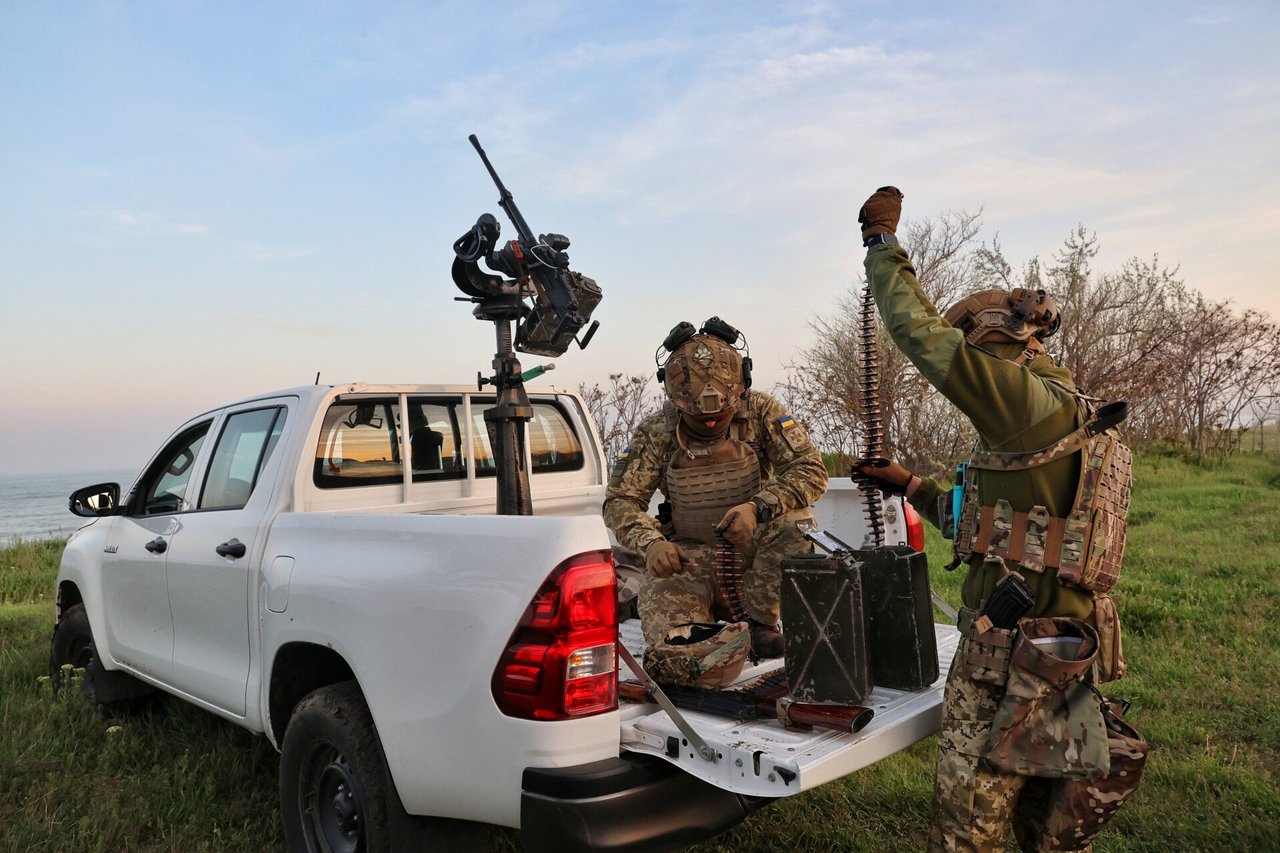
x=915 y=527
x=561 y=660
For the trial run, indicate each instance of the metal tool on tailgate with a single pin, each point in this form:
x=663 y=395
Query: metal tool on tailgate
x=651 y=687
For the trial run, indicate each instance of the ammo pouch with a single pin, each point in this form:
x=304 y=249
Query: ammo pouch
x=986 y=656
x=1049 y=722
x=1077 y=809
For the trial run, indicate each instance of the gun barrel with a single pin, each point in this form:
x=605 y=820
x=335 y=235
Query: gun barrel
x=505 y=200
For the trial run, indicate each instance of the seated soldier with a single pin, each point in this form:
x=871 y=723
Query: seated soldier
x=730 y=461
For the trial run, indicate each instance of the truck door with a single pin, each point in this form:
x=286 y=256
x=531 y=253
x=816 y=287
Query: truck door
x=134 y=584
x=212 y=560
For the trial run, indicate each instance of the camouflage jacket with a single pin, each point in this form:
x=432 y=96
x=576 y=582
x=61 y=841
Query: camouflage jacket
x=790 y=465
x=1014 y=408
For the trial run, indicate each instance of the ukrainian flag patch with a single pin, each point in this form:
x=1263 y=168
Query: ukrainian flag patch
x=793 y=435
x=626 y=452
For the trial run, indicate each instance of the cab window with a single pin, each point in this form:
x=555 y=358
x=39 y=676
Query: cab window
x=436 y=450
x=164 y=488
x=243 y=448
x=553 y=445
x=359 y=445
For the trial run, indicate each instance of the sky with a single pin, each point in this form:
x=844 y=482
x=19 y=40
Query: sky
x=204 y=201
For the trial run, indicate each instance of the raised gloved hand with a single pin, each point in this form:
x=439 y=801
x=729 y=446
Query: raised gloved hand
x=739 y=524
x=881 y=213
x=664 y=559
x=887 y=475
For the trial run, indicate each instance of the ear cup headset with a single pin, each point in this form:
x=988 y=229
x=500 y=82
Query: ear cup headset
x=683 y=331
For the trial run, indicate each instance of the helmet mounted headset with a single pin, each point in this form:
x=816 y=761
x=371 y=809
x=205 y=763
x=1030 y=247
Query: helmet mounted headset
x=1023 y=315
x=705 y=371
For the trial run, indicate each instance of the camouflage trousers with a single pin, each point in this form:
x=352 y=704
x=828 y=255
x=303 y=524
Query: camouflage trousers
x=975 y=805
x=694 y=596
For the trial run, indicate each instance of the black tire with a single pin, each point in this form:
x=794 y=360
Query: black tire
x=333 y=776
x=72 y=644
x=114 y=693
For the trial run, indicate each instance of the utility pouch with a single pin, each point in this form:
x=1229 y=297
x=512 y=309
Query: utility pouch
x=1105 y=620
x=1078 y=809
x=1049 y=722
x=986 y=659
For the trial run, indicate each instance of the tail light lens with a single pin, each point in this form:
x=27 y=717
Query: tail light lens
x=915 y=526
x=561 y=661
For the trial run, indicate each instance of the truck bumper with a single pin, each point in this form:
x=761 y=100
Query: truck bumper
x=630 y=803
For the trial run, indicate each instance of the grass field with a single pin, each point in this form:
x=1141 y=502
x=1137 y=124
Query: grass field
x=1200 y=602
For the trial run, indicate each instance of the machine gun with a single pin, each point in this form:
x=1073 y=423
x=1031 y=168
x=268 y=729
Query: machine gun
x=759 y=704
x=562 y=300
x=560 y=303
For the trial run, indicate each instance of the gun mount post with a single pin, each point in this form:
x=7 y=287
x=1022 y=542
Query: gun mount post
x=561 y=303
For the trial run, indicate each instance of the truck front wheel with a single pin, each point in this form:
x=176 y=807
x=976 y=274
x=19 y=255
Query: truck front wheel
x=333 y=777
x=115 y=693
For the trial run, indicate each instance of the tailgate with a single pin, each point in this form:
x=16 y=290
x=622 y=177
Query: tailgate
x=759 y=757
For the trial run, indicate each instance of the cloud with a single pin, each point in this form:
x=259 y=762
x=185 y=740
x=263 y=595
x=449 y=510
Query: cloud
x=138 y=224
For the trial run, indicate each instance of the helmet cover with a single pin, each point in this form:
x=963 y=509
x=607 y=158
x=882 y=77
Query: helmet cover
x=703 y=377
x=699 y=654
x=1001 y=316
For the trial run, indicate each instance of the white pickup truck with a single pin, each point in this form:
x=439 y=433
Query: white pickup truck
x=323 y=565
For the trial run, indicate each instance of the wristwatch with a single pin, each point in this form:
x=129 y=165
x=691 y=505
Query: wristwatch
x=887 y=237
x=764 y=512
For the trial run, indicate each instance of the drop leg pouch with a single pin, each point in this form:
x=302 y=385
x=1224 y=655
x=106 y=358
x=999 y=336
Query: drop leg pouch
x=1049 y=722
x=1073 y=811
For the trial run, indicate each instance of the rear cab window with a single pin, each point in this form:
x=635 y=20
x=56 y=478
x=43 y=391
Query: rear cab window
x=360 y=441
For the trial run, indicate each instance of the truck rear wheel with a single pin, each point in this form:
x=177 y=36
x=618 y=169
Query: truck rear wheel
x=333 y=776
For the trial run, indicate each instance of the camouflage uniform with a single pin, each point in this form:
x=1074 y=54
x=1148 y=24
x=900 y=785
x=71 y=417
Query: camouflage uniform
x=793 y=479
x=1015 y=408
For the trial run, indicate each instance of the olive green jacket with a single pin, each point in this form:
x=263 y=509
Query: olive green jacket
x=1014 y=408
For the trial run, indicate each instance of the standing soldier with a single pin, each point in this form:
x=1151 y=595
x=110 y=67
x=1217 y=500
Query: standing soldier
x=1025 y=739
x=730 y=461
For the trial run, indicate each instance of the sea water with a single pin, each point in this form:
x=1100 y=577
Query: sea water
x=34 y=506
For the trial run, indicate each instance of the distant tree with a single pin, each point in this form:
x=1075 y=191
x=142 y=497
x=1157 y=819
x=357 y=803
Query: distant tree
x=619 y=408
x=1221 y=366
x=822 y=386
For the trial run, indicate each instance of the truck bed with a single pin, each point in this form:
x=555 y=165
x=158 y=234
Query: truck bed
x=759 y=757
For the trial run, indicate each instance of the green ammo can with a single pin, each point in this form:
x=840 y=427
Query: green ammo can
x=823 y=616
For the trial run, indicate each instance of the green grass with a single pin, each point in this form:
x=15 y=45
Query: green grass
x=1200 y=603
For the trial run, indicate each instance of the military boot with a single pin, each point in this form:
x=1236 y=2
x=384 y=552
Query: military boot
x=766 y=640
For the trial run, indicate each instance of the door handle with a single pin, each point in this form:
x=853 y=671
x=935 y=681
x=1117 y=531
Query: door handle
x=157 y=545
x=233 y=548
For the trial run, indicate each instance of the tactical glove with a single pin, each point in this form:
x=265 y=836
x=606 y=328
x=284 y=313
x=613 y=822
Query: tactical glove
x=664 y=559
x=888 y=476
x=881 y=213
x=739 y=524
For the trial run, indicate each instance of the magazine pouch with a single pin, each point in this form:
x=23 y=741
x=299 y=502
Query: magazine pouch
x=1049 y=722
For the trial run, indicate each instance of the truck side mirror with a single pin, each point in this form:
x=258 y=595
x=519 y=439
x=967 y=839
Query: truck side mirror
x=95 y=501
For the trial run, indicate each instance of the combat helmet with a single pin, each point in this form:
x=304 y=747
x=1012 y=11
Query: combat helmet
x=1020 y=316
x=699 y=654
x=704 y=373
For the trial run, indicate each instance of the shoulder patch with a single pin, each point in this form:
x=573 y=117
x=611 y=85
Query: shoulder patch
x=619 y=468
x=794 y=435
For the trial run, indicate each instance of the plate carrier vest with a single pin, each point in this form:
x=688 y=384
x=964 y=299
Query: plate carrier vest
x=1087 y=546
